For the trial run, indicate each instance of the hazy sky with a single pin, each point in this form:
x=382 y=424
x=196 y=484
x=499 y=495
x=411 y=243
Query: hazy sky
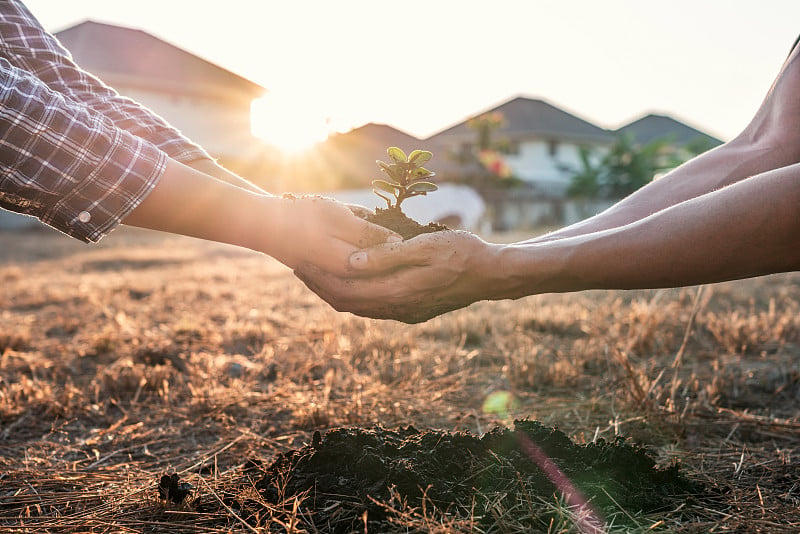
x=422 y=65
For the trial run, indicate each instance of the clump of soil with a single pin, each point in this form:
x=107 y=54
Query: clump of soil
x=172 y=489
x=394 y=219
x=350 y=471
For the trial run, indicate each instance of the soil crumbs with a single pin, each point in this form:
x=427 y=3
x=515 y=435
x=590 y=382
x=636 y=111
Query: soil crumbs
x=355 y=478
x=395 y=219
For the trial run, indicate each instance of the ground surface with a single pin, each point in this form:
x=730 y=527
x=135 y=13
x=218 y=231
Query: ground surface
x=147 y=356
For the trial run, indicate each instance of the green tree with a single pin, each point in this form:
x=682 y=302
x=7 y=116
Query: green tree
x=624 y=169
x=585 y=182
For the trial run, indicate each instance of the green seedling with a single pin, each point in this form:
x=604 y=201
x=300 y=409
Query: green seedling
x=406 y=177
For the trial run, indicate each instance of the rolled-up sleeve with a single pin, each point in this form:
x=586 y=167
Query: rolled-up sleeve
x=67 y=164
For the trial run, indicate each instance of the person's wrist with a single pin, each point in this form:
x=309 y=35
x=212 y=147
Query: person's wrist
x=523 y=269
x=488 y=266
x=498 y=271
x=270 y=226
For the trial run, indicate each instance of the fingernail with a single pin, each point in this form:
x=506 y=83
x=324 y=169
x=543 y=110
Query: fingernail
x=358 y=259
x=394 y=239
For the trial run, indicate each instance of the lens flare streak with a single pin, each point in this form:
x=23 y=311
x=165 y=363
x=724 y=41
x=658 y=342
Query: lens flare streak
x=587 y=519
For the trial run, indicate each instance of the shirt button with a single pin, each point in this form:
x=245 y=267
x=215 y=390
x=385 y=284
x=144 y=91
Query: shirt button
x=84 y=216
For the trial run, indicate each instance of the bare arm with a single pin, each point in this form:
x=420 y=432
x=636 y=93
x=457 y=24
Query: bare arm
x=316 y=230
x=748 y=229
x=212 y=168
x=724 y=165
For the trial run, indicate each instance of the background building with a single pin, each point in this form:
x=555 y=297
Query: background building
x=208 y=103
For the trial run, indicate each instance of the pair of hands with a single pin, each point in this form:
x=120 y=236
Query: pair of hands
x=365 y=269
x=317 y=237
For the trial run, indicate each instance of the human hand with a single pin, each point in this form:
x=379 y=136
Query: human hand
x=360 y=211
x=321 y=232
x=411 y=281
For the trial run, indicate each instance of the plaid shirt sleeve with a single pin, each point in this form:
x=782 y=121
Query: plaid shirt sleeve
x=67 y=164
x=27 y=46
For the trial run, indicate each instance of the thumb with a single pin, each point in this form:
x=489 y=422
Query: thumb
x=360 y=211
x=382 y=258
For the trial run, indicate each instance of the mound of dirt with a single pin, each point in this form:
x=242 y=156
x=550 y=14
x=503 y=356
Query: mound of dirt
x=350 y=471
x=394 y=219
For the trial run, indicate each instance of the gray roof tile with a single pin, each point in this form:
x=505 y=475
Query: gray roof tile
x=529 y=117
x=651 y=127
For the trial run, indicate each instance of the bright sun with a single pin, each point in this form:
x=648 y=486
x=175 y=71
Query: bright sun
x=291 y=124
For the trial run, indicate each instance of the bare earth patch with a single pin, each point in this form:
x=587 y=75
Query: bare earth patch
x=148 y=356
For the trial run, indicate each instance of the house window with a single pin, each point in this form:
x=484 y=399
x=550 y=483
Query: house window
x=552 y=148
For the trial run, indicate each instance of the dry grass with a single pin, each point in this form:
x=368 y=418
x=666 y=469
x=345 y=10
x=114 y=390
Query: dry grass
x=148 y=354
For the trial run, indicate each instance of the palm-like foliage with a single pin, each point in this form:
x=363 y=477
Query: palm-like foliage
x=624 y=169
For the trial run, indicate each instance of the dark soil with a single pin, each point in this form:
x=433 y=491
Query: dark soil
x=172 y=489
x=394 y=219
x=352 y=471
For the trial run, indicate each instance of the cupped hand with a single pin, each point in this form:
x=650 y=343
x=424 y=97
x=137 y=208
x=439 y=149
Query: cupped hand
x=321 y=232
x=410 y=281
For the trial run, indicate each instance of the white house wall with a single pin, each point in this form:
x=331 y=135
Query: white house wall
x=552 y=173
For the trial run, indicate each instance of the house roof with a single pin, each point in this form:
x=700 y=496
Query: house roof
x=140 y=58
x=352 y=154
x=534 y=117
x=651 y=127
x=378 y=137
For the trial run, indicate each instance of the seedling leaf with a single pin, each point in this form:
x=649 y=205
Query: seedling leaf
x=421 y=172
x=422 y=188
x=383 y=185
x=393 y=171
x=397 y=155
x=420 y=157
x=406 y=177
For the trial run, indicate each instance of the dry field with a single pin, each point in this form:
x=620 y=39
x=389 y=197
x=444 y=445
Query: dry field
x=149 y=355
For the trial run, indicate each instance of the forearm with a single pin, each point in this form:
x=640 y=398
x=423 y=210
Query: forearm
x=189 y=202
x=725 y=165
x=212 y=168
x=747 y=229
x=294 y=231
